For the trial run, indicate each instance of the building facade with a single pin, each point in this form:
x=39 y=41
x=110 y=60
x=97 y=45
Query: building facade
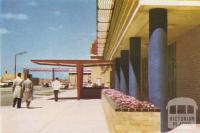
x=154 y=46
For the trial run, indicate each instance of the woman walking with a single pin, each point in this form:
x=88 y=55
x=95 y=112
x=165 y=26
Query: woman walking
x=28 y=91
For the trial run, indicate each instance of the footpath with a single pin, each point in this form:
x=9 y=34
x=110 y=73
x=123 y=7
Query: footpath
x=46 y=116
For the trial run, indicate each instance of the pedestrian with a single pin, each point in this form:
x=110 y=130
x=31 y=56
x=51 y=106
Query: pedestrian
x=17 y=91
x=56 y=87
x=28 y=90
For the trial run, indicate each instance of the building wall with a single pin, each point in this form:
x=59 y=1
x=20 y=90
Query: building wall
x=107 y=78
x=100 y=76
x=73 y=79
x=8 y=77
x=86 y=78
x=188 y=66
x=96 y=75
x=144 y=73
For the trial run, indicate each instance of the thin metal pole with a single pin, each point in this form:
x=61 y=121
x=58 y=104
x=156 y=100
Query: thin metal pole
x=15 y=66
x=21 y=53
x=53 y=74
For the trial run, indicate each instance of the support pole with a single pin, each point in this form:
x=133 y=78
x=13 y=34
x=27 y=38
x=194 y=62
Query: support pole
x=79 y=68
x=15 y=67
x=53 y=74
x=157 y=66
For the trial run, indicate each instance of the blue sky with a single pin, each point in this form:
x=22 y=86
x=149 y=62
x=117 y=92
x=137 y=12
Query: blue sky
x=46 y=29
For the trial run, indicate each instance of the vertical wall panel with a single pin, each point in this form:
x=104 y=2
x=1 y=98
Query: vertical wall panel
x=117 y=73
x=124 y=73
x=135 y=67
x=171 y=71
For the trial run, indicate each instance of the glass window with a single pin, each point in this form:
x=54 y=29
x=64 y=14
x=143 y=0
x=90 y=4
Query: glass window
x=173 y=109
x=190 y=109
x=181 y=109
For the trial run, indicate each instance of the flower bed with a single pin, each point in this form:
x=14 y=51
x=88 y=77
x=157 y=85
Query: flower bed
x=124 y=102
x=126 y=114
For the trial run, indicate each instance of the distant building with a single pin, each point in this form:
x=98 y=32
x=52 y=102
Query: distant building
x=73 y=79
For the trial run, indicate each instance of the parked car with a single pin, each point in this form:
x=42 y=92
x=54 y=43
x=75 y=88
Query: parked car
x=64 y=86
x=7 y=83
x=2 y=84
x=10 y=82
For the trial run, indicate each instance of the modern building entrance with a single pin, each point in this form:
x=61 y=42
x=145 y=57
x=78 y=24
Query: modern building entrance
x=79 y=64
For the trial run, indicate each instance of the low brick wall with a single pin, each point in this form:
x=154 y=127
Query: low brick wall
x=130 y=121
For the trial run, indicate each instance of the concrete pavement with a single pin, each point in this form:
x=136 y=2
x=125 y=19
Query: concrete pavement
x=47 y=116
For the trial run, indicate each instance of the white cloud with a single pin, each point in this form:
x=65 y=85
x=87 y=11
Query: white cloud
x=57 y=12
x=33 y=3
x=55 y=28
x=19 y=16
x=4 y=31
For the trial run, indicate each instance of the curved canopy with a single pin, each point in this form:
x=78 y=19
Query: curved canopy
x=72 y=62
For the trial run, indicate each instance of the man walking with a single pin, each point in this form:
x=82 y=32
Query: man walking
x=17 y=91
x=56 y=87
x=28 y=90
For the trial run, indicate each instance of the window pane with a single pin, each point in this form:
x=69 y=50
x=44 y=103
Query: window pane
x=173 y=110
x=181 y=109
x=190 y=109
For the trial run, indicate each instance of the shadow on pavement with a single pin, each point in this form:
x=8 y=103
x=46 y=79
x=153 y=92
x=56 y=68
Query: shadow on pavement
x=28 y=108
x=64 y=98
x=34 y=107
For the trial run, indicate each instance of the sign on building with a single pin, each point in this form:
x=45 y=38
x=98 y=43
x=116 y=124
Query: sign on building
x=181 y=110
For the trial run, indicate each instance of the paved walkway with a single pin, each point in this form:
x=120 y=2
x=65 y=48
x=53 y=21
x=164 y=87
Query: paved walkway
x=47 y=116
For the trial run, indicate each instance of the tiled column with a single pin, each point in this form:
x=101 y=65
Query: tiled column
x=124 y=72
x=135 y=66
x=157 y=61
x=116 y=72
